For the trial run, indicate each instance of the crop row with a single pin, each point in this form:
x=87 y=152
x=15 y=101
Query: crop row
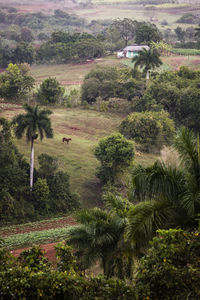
x=186 y=51
x=37 y=237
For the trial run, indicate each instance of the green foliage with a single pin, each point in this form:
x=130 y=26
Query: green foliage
x=180 y=33
x=34 y=260
x=50 y=92
x=64 y=47
x=22 y=283
x=62 y=198
x=26 y=35
x=41 y=194
x=189 y=19
x=13 y=177
x=35 y=237
x=147 y=33
x=65 y=259
x=99 y=237
x=170 y=269
x=48 y=165
x=111 y=82
x=177 y=93
x=151 y=130
x=115 y=154
x=126 y=29
x=168 y=195
x=149 y=59
x=185 y=51
x=24 y=52
x=60 y=195
x=14 y=84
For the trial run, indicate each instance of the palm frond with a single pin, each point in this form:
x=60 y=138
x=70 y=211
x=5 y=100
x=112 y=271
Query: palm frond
x=145 y=218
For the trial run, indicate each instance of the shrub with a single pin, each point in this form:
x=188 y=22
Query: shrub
x=32 y=278
x=150 y=129
x=111 y=82
x=50 y=92
x=115 y=153
x=171 y=268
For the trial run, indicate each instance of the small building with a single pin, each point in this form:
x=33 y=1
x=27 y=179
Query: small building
x=131 y=51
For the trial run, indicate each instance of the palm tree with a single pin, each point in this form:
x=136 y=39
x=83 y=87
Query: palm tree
x=168 y=196
x=100 y=237
x=35 y=122
x=149 y=59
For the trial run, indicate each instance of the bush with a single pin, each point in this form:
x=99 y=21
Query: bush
x=150 y=129
x=50 y=92
x=31 y=277
x=115 y=154
x=111 y=82
x=171 y=268
x=177 y=93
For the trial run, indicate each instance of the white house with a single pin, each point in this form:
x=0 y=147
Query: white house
x=131 y=51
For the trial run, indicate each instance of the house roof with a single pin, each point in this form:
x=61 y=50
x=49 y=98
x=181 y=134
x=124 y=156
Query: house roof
x=136 y=48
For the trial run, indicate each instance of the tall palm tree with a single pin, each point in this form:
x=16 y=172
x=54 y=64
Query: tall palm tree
x=168 y=196
x=149 y=59
x=100 y=237
x=34 y=123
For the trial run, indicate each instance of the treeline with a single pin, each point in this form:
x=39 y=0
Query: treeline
x=64 y=47
x=39 y=21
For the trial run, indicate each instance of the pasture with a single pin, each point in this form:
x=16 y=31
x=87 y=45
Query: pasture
x=85 y=128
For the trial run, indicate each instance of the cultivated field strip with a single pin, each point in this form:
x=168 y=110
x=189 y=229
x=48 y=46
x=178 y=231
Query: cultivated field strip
x=36 y=237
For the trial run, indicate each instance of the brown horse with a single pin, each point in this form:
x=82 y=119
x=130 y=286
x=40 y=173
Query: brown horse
x=66 y=140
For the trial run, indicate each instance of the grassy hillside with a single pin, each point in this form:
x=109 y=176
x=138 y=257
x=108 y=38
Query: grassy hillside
x=85 y=127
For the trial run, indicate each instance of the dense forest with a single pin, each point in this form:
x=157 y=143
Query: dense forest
x=124 y=130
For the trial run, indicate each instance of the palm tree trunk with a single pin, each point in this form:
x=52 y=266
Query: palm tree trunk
x=147 y=76
x=31 y=164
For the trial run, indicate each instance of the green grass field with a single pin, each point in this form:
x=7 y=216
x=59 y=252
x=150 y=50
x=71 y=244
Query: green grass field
x=69 y=74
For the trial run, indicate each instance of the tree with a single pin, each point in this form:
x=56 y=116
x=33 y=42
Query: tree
x=168 y=195
x=147 y=33
x=35 y=123
x=170 y=268
x=115 y=154
x=100 y=236
x=162 y=47
x=151 y=130
x=149 y=59
x=13 y=178
x=14 y=83
x=27 y=35
x=50 y=91
x=126 y=28
x=178 y=94
x=41 y=195
x=24 y=52
x=111 y=82
x=197 y=33
x=180 y=33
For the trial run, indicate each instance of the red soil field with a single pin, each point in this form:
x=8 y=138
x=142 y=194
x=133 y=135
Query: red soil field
x=49 y=251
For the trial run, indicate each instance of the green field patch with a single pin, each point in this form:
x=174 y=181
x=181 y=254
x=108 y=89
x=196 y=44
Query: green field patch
x=37 y=237
x=185 y=51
